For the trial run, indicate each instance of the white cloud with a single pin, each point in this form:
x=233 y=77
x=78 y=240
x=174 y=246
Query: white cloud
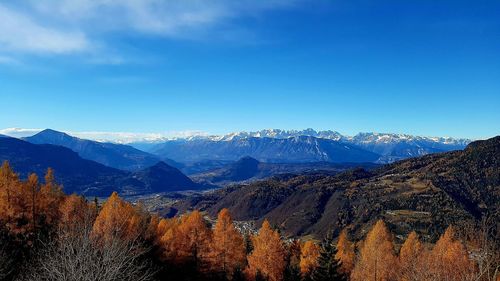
x=20 y=33
x=19 y=132
x=76 y=26
x=117 y=137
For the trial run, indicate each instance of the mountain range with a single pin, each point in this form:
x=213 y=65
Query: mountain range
x=426 y=194
x=119 y=156
x=293 y=149
x=308 y=145
x=88 y=177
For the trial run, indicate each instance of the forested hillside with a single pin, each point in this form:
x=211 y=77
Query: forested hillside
x=47 y=235
x=424 y=194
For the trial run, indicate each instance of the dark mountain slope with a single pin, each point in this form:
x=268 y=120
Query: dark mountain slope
x=76 y=174
x=160 y=178
x=296 y=149
x=426 y=194
x=118 y=156
x=88 y=177
x=249 y=169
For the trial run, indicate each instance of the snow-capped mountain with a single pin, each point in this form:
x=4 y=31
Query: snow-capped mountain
x=265 y=149
x=389 y=147
x=394 y=147
x=279 y=134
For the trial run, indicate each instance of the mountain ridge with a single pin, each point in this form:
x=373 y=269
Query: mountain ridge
x=119 y=156
x=426 y=194
x=390 y=147
x=88 y=177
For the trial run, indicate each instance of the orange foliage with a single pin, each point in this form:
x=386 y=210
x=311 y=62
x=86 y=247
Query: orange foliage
x=411 y=257
x=27 y=206
x=186 y=242
x=118 y=220
x=377 y=261
x=309 y=257
x=345 y=253
x=268 y=255
x=75 y=213
x=228 y=247
x=449 y=259
x=51 y=197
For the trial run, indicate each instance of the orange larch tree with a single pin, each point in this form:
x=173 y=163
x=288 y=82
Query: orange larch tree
x=449 y=259
x=119 y=220
x=268 y=255
x=51 y=197
x=309 y=255
x=228 y=248
x=191 y=241
x=9 y=184
x=167 y=231
x=345 y=253
x=411 y=257
x=376 y=261
x=76 y=214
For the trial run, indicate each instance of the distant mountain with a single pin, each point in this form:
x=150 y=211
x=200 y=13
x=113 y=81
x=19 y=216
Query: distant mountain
x=389 y=147
x=279 y=134
x=294 y=149
x=248 y=168
x=243 y=169
x=119 y=156
x=159 y=178
x=425 y=193
x=395 y=147
x=88 y=177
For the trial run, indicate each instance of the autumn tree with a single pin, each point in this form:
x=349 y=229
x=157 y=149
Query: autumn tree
x=329 y=267
x=227 y=249
x=411 y=256
x=449 y=259
x=267 y=258
x=119 y=220
x=75 y=212
x=345 y=253
x=9 y=182
x=376 y=258
x=51 y=197
x=309 y=258
x=191 y=241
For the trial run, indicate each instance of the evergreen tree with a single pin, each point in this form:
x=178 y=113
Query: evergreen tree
x=329 y=268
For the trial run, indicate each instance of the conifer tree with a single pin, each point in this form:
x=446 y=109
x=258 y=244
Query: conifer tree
x=329 y=268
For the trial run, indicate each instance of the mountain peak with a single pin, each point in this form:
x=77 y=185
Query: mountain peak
x=49 y=133
x=248 y=159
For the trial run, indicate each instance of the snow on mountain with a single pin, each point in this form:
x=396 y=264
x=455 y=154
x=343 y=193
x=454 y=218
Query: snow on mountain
x=390 y=147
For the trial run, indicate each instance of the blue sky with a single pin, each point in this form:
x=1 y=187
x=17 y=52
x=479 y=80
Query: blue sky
x=419 y=67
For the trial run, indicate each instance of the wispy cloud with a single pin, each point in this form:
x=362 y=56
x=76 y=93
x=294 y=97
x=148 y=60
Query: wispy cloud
x=8 y=60
x=81 y=26
x=117 y=137
x=20 y=33
x=18 y=132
